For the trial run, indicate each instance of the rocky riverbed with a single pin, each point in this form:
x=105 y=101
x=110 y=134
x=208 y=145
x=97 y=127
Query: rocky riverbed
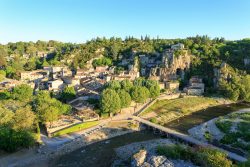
x=209 y=127
x=143 y=154
x=40 y=157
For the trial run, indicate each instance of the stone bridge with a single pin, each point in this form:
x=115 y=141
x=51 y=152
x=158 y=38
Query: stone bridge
x=186 y=139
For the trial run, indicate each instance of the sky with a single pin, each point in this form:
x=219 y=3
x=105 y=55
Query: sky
x=80 y=20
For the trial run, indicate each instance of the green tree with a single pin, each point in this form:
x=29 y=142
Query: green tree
x=125 y=98
x=153 y=87
x=3 y=54
x=68 y=93
x=110 y=101
x=245 y=88
x=114 y=50
x=104 y=61
x=22 y=92
x=139 y=81
x=45 y=63
x=10 y=71
x=16 y=125
x=31 y=64
x=11 y=140
x=2 y=75
x=126 y=85
x=154 y=91
x=139 y=94
x=6 y=116
x=5 y=95
x=50 y=114
x=113 y=84
x=24 y=119
x=49 y=109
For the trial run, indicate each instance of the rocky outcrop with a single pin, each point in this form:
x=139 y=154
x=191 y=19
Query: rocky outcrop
x=144 y=154
x=138 y=158
x=173 y=66
x=160 y=161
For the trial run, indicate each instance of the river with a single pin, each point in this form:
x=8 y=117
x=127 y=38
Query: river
x=100 y=154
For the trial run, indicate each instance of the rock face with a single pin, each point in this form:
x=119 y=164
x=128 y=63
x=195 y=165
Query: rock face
x=173 y=66
x=138 y=158
x=176 y=65
x=160 y=161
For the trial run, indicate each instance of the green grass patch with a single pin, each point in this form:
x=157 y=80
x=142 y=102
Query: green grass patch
x=181 y=105
x=75 y=128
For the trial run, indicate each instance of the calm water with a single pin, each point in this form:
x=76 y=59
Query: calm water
x=100 y=154
x=183 y=124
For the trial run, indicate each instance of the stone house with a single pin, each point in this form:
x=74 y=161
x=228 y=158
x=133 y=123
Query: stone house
x=101 y=69
x=80 y=73
x=56 y=85
x=9 y=84
x=173 y=86
x=58 y=71
x=196 y=86
x=72 y=81
x=35 y=75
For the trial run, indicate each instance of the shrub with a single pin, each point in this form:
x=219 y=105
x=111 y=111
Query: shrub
x=205 y=157
x=208 y=136
x=11 y=140
x=229 y=138
x=175 y=152
x=224 y=126
x=208 y=157
x=105 y=115
x=245 y=164
x=153 y=120
x=163 y=90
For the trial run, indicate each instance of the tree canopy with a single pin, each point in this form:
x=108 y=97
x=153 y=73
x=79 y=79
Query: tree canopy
x=68 y=93
x=49 y=109
x=110 y=101
x=139 y=94
x=22 y=92
x=124 y=98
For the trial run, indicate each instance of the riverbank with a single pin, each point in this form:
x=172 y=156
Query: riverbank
x=145 y=154
x=100 y=154
x=183 y=124
x=230 y=131
x=164 y=111
x=49 y=152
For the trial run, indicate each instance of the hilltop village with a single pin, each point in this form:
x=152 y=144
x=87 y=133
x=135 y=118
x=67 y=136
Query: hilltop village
x=67 y=96
x=167 y=68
